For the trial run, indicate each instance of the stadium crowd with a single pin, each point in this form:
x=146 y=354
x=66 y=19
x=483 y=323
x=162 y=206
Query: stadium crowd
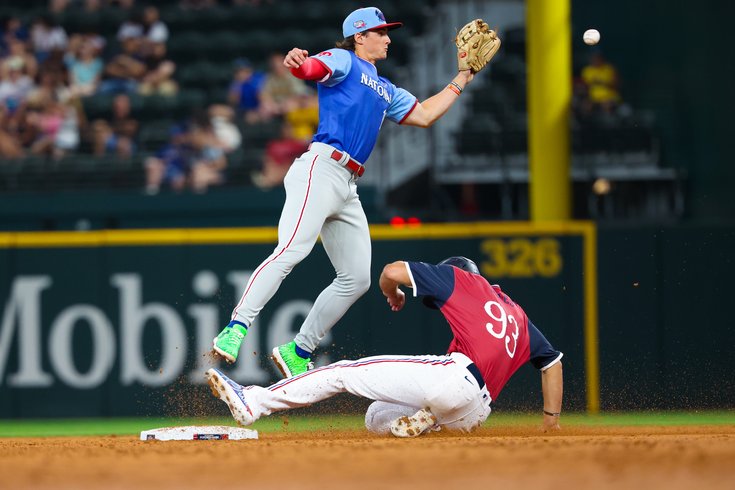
x=47 y=73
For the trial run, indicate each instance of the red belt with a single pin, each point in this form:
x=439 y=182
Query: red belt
x=351 y=164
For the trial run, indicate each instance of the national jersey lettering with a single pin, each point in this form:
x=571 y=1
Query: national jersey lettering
x=373 y=84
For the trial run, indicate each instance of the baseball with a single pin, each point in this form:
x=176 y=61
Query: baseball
x=591 y=37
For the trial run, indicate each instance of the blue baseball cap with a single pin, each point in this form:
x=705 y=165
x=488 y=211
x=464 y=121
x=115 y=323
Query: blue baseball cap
x=366 y=19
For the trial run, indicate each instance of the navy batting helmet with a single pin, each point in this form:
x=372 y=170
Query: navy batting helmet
x=463 y=263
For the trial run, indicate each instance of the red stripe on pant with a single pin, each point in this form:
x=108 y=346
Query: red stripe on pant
x=301 y=215
x=361 y=363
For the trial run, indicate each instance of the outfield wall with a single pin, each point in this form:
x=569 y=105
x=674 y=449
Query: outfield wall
x=107 y=323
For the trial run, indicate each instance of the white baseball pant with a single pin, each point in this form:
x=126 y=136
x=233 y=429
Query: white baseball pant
x=401 y=385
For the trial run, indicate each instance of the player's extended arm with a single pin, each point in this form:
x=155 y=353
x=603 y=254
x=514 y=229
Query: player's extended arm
x=429 y=111
x=394 y=275
x=552 y=386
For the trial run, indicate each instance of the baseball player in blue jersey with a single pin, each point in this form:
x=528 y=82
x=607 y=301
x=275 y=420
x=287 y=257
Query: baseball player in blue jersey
x=321 y=185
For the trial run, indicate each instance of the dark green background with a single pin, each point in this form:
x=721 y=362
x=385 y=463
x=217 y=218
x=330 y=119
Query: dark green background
x=666 y=334
x=82 y=275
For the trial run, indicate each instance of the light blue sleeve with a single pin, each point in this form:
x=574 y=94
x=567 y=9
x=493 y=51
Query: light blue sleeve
x=401 y=105
x=339 y=63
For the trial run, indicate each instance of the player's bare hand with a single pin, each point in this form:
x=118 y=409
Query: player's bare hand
x=397 y=301
x=295 y=58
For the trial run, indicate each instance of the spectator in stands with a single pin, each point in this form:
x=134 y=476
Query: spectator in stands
x=17 y=50
x=244 y=92
x=11 y=29
x=279 y=154
x=125 y=70
x=601 y=81
x=57 y=129
x=116 y=136
x=281 y=90
x=37 y=117
x=69 y=135
x=142 y=66
x=51 y=85
x=47 y=36
x=84 y=68
x=15 y=86
x=89 y=36
x=304 y=116
x=170 y=165
x=54 y=63
x=209 y=161
x=158 y=76
x=223 y=121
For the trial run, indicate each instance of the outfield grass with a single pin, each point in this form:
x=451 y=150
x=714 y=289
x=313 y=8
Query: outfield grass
x=278 y=423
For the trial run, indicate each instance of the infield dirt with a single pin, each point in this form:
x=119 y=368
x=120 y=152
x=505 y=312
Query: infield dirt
x=503 y=458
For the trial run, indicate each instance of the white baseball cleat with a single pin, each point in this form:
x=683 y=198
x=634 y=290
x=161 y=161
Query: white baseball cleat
x=415 y=425
x=232 y=394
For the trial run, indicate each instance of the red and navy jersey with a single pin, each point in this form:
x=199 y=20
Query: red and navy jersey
x=488 y=326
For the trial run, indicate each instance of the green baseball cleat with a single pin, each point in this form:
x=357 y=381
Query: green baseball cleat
x=289 y=362
x=227 y=343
